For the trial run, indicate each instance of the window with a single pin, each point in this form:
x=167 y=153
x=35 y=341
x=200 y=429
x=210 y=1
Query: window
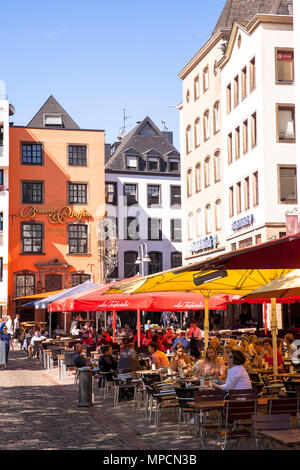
x=236 y=91
x=228 y=98
x=205 y=79
x=217 y=166
x=111 y=229
x=174 y=164
x=155 y=265
x=229 y=148
x=1 y=224
x=188 y=139
x=255 y=189
x=153 y=164
x=189 y=183
x=253 y=130
x=218 y=214
x=77 y=193
x=131 y=163
x=153 y=196
x=176 y=230
x=208 y=218
x=197 y=132
x=207 y=171
x=287 y=185
x=245 y=136
x=25 y=285
x=258 y=239
x=132 y=228
x=233 y=246
x=79 y=278
x=130 y=194
x=206 y=125
x=130 y=268
x=176 y=259
x=245 y=243
x=32 y=154
x=78 y=238
x=284 y=68
x=196 y=88
x=154 y=229
x=216 y=117
x=244 y=82
x=32 y=238
x=32 y=192
x=187 y=96
x=190 y=226
x=198 y=177
x=53 y=120
x=238 y=198
x=1 y=178
x=199 y=222
x=175 y=197
x=231 y=204
x=77 y=155
x=237 y=143
x=285 y=123
x=252 y=67
x=246 y=193
x=111 y=193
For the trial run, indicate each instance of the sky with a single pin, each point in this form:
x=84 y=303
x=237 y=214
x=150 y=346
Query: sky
x=98 y=58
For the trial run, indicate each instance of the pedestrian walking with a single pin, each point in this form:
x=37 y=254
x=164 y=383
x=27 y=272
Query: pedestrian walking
x=5 y=338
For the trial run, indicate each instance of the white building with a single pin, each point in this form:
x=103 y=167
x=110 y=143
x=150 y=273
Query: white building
x=143 y=197
x=296 y=13
x=4 y=198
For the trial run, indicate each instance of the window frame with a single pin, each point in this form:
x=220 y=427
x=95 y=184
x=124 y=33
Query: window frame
x=76 y=186
x=284 y=49
x=69 y=225
x=31 y=144
x=158 y=205
x=287 y=166
x=41 y=238
x=77 y=159
x=33 y=182
x=285 y=107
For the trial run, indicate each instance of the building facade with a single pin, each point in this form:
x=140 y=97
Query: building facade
x=143 y=203
x=57 y=198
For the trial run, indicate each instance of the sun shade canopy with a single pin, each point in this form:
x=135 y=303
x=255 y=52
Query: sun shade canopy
x=288 y=285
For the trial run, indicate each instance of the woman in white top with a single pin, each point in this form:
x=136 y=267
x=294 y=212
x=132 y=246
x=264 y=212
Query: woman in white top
x=237 y=377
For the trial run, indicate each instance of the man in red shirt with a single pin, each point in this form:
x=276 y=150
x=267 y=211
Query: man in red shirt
x=194 y=331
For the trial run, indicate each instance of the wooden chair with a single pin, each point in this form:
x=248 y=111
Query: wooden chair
x=268 y=422
x=165 y=397
x=184 y=395
x=273 y=387
x=210 y=419
x=283 y=406
x=298 y=420
x=149 y=391
x=242 y=394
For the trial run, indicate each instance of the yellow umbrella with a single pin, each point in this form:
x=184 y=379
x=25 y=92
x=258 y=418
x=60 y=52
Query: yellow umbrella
x=235 y=281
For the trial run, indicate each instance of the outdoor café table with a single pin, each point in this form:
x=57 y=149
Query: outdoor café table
x=203 y=407
x=288 y=437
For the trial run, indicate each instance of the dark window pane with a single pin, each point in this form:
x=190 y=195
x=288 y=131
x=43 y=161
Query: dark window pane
x=77 y=155
x=155 y=265
x=32 y=154
x=78 y=242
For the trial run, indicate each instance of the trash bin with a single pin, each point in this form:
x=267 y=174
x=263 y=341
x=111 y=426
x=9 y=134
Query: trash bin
x=86 y=379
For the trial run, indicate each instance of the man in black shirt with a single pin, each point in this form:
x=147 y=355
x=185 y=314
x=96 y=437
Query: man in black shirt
x=107 y=363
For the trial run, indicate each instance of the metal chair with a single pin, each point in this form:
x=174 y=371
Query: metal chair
x=184 y=396
x=165 y=397
x=149 y=391
x=122 y=382
x=106 y=383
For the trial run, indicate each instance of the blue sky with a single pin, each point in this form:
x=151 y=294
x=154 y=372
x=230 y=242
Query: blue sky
x=98 y=57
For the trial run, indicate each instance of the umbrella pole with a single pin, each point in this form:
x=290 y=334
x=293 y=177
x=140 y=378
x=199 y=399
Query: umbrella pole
x=65 y=314
x=274 y=331
x=139 y=327
x=114 y=326
x=206 y=321
x=265 y=317
x=50 y=315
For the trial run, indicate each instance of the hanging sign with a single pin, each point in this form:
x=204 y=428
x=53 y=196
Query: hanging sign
x=210 y=242
x=55 y=216
x=244 y=222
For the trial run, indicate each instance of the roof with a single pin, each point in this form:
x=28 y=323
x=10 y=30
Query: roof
x=244 y=10
x=143 y=139
x=52 y=107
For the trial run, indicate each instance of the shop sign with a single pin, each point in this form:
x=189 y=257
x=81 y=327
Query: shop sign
x=285 y=56
x=210 y=242
x=244 y=222
x=55 y=216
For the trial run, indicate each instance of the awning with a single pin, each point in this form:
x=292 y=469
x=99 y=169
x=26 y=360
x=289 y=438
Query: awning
x=41 y=295
x=42 y=304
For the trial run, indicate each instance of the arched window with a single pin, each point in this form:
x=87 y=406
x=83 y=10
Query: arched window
x=156 y=263
x=207 y=171
x=189 y=182
x=198 y=177
x=218 y=214
x=197 y=132
x=208 y=218
x=199 y=222
x=130 y=268
x=206 y=125
x=188 y=139
x=216 y=117
x=217 y=163
x=190 y=226
x=196 y=88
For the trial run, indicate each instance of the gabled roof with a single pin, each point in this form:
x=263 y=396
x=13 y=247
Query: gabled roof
x=52 y=107
x=141 y=143
x=244 y=10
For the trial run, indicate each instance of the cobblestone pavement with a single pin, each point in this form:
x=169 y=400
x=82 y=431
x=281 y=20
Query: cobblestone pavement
x=39 y=412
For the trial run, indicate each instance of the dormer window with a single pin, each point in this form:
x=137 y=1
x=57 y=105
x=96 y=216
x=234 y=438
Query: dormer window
x=131 y=163
x=53 y=120
x=174 y=164
x=153 y=164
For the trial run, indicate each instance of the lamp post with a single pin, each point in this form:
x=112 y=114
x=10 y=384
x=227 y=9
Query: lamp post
x=142 y=258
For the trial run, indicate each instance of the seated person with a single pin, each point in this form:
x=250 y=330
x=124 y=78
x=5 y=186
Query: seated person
x=268 y=356
x=237 y=376
x=289 y=344
x=74 y=329
x=180 y=360
x=212 y=365
x=183 y=340
x=158 y=358
x=148 y=325
x=194 y=331
x=128 y=361
x=168 y=339
x=196 y=358
x=259 y=351
x=107 y=363
x=37 y=337
x=79 y=359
